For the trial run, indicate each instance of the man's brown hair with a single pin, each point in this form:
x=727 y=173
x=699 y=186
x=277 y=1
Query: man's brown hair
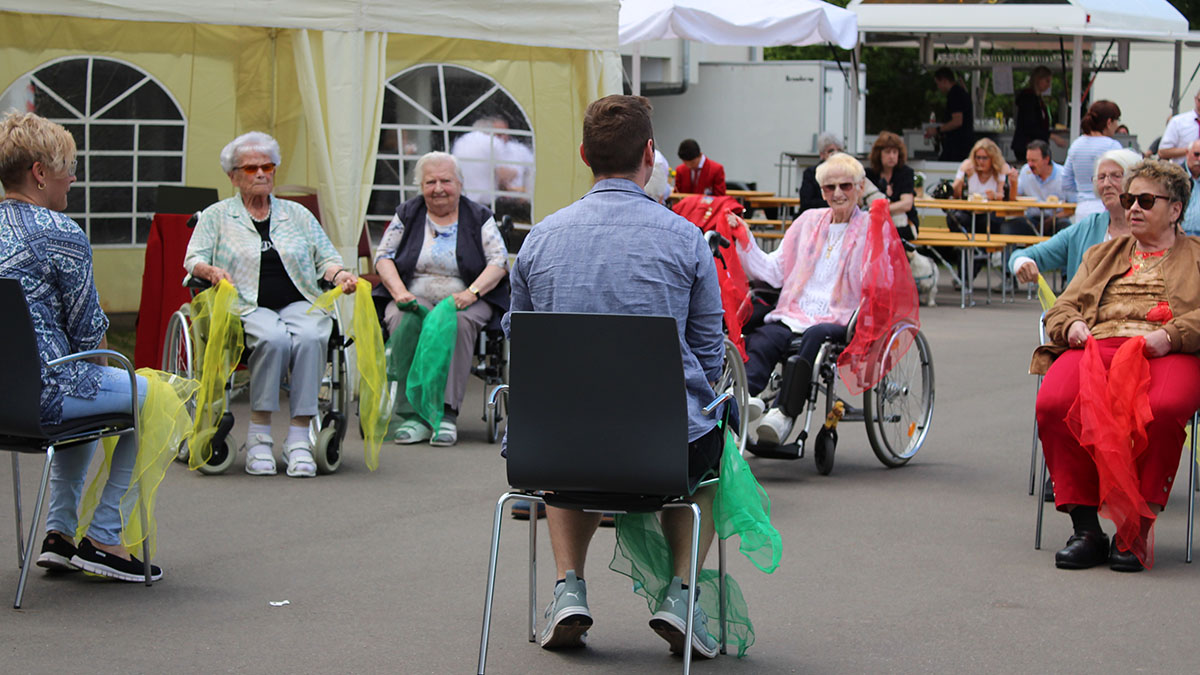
x=615 y=131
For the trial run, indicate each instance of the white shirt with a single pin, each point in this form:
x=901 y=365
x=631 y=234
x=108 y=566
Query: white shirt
x=819 y=289
x=1181 y=130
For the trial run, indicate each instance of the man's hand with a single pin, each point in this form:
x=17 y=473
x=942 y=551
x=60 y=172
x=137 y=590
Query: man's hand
x=1157 y=344
x=1077 y=335
x=1027 y=272
x=464 y=299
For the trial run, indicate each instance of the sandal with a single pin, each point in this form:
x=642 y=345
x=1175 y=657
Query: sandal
x=299 y=458
x=412 y=431
x=260 y=460
x=446 y=435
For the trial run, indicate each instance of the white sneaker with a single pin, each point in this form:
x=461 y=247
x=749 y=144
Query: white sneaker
x=774 y=427
x=754 y=408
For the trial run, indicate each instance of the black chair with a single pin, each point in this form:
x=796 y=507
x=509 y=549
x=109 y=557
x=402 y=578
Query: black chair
x=20 y=428
x=598 y=422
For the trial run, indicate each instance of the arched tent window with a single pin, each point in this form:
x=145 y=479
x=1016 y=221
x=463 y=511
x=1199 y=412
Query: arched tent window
x=130 y=133
x=457 y=110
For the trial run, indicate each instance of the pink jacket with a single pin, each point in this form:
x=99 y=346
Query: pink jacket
x=790 y=266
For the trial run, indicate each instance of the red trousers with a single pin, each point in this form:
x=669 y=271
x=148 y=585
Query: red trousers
x=1174 y=395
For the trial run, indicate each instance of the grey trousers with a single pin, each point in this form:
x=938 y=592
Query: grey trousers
x=470 y=321
x=287 y=339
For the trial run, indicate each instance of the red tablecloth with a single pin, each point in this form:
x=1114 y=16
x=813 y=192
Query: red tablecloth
x=162 y=285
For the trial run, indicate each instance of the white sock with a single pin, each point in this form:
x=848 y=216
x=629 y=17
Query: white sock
x=264 y=429
x=297 y=434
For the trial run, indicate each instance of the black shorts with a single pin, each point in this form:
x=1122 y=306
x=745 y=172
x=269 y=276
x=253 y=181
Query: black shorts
x=704 y=456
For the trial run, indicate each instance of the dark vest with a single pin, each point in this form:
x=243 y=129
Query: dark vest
x=469 y=247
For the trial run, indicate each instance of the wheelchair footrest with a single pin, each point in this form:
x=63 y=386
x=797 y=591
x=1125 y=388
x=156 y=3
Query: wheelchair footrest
x=790 y=451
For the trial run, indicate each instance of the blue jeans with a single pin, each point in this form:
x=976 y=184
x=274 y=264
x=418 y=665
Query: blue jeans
x=70 y=465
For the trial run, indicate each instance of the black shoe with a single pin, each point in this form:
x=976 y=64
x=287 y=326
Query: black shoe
x=1048 y=492
x=1083 y=551
x=91 y=559
x=56 y=554
x=521 y=509
x=608 y=519
x=1123 y=561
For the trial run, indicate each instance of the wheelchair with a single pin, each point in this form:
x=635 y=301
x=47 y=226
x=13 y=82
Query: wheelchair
x=327 y=430
x=898 y=411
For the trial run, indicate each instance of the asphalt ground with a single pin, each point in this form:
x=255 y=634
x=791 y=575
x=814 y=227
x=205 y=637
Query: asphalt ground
x=929 y=568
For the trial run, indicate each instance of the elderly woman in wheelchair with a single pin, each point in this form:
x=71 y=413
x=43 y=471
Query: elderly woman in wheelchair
x=274 y=252
x=1121 y=375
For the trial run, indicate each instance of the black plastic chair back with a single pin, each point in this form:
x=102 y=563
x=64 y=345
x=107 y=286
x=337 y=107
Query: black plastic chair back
x=597 y=404
x=20 y=408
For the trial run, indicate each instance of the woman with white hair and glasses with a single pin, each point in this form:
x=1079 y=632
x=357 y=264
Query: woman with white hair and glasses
x=441 y=244
x=273 y=251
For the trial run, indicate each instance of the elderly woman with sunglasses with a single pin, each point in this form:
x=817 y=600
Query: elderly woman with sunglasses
x=818 y=268
x=273 y=251
x=1122 y=375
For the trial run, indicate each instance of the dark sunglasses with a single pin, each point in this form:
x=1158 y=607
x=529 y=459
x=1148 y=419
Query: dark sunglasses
x=251 y=169
x=1144 y=200
x=846 y=187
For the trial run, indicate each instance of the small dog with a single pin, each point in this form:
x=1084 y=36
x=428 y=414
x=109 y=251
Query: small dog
x=925 y=274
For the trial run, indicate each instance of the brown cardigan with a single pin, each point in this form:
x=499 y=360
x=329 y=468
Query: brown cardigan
x=1108 y=260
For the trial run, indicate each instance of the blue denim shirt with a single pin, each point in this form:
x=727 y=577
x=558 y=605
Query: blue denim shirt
x=618 y=251
x=1191 y=213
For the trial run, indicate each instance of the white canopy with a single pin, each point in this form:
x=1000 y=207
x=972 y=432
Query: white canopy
x=750 y=23
x=570 y=24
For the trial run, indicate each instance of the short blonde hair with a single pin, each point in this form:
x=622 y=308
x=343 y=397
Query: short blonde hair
x=26 y=138
x=841 y=161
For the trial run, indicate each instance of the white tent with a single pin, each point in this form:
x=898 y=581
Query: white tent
x=1005 y=25
x=750 y=23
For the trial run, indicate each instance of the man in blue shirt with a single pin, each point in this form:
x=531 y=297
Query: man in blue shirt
x=578 y=260
x=1191 y=215
x=1042 y=179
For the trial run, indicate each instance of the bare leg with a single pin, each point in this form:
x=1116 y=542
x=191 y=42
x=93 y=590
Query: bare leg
x=677 y=527
x=570 y=533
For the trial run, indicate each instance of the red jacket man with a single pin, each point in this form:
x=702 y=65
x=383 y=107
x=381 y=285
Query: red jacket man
x=698 y=174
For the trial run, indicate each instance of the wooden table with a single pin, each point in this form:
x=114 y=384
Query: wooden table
x=736 y=194
x=1010 y=209
x=772 y=201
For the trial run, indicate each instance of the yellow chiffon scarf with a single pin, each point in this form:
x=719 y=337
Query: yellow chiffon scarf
x=163 y=424
x=374 y=404
x=217 y=344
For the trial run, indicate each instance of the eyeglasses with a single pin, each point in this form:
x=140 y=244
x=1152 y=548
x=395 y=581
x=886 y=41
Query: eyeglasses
x=252 y=169
x=1144 y=200
x=1113 y=176
x=846 y=187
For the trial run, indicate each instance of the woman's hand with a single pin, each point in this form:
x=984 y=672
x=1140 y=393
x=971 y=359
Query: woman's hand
x=1158 y=344
x=1027 y=272
x=211 y=273
x=1077 y=335
x=403 y=298
x=346 y=279
x=464 y=299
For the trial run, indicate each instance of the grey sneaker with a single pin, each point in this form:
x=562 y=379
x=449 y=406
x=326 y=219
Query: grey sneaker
x=670 y=622
x=567 y=616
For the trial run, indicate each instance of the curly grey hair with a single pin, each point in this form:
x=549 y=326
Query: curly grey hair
x=253 y=141
x=435 y=157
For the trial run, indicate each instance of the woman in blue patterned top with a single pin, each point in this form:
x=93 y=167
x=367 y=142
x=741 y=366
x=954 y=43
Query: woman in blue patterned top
x=273 y=251
x=50 y=255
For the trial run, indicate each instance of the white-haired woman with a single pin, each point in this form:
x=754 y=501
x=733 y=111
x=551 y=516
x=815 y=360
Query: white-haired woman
x=438 y=245
x=1064 y=251
x=273 y=251
x=818 y=268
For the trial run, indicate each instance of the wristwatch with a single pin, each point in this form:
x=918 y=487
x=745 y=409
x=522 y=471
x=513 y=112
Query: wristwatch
x=473 y=290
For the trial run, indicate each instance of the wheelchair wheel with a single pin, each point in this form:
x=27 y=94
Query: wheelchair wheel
x=823 y=449
x=327 y=450
x=898 y=411
x=733 y=379
x=222 y=458
x=177 y=359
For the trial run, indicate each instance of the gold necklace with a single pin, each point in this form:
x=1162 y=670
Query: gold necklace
x=832 y=244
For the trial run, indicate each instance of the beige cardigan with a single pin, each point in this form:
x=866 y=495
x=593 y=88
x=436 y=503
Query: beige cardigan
x=1109 y=260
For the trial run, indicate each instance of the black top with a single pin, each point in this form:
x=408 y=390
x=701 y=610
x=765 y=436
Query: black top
x=276 y=289
x=901 y=184
x=810 y=191
x=956 y=144
x=1033 y=122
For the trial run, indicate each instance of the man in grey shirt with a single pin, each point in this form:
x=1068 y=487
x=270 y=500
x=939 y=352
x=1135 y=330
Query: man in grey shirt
x=618 y=251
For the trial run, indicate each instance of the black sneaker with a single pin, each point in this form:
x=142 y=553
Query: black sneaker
x=91 y=559
x=56 y=554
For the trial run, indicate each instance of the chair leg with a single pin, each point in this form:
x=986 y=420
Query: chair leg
x=1034 y=449
x=37 y=519
x=1191 y=520
x=16 y=473
x=491 y=578
x=533 y=512
x=693 y=564
x=722 y=591
x=145 y=542
x=1037 y=541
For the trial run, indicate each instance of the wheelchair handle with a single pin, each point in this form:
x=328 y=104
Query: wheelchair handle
x=715 y=240
x=491 y=402
x=716 y=403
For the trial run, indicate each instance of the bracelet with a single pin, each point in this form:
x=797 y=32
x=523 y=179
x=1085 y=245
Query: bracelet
x=334 y=277
x=473 y=290
x=1168 y=334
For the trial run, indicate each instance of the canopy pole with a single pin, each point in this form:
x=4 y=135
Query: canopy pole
x=856 y=98
x=1076 y=84
x=636 y=86
x=1175 y=93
